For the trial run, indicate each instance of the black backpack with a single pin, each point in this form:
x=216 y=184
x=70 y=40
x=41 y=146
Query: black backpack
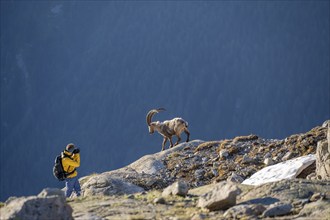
x=58 y=170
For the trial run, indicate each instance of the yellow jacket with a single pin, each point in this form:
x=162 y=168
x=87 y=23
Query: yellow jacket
x=70 y=162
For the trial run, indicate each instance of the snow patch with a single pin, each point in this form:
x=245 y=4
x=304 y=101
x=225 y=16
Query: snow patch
x=285 y=170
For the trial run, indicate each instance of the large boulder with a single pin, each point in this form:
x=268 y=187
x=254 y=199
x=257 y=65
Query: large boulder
x=323 y=160
x=277 y=209
x=285 y=191
x=104 y=184
x=152 y=164
x=49 y=204
x=221 y=197
x=316 y=210
x=179 y=188
x=51 y=192
x=247 y=211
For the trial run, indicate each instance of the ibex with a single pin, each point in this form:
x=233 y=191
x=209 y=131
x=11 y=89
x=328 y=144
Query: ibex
x=167 y=128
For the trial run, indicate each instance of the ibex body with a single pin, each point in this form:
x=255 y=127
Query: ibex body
x=167 y=128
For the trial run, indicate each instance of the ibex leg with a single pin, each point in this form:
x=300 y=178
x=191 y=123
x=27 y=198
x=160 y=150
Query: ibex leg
x=187 y=133
x=171 y=142
x=179 y=139
x=164 y=142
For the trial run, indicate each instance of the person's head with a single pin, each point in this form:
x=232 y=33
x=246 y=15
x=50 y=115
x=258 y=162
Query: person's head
x=70 y=147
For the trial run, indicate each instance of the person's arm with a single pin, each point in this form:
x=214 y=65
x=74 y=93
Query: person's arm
x=76 y=157
x=74 y=161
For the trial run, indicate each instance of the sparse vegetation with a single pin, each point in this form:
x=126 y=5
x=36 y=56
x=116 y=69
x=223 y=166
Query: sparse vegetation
x=207 y=145
x=250 y=137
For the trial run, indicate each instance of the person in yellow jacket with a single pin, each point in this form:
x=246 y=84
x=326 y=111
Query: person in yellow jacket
x=71 y=161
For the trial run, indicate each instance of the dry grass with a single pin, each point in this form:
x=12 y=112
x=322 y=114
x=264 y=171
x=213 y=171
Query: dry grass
x=207 y=145
x=250 y=137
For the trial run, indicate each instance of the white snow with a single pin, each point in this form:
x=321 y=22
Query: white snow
x=285 y=170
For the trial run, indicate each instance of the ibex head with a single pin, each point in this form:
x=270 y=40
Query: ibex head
x=149 y=118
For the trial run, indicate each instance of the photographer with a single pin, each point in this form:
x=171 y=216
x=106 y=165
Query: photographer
x=71 y=161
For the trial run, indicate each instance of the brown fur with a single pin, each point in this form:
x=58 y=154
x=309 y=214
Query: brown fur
x=167 y=128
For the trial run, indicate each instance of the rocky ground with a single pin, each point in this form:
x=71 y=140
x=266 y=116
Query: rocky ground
x=203 y=180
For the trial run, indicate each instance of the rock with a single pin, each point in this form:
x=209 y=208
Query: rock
x=268 y=161
x=316 y=210
x=152 y=164
x=215 y=172
x=316 y=196
x=277 y=209
x=159 y=200
x=235 y=178
x=221 y=197
x=216 y=164
x=131 y=196
x=51 y=192
x=287 y=156
x=204 y=159
x=239 y=211
x=47 y=205
x=311 y=176
x=307 y=171
x=198 y=216
x=247 y=159
x=106 y=185
x=323 y=160
x=328 y=135
x=199 y=174
x=285 y=170
x=179 y=188
x=223 y=154
x=268 y=155
x=286 y=190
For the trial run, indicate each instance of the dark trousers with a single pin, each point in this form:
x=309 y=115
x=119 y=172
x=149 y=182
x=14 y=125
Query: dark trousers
x=72 y=184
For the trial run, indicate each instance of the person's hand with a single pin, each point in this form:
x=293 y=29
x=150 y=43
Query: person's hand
x=76 y=151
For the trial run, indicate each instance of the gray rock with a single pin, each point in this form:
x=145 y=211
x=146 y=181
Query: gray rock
x=328 y=135
x=316 y=210
x=204 y=159
x=326 y=124
x=268 y=161
x=10 y=199
x=152 y=164
x=316 y=196
x=323 y=160
x=235 y=178
x=247 y=159
x=179 y=188
x=277 y=209
x=159 y=200
x=216 y=164
x=106 y=185
x=287 y=190
x=51 y=192
x=240 y=211
x=268 y=155
x=199 y=174
x=44 y=206
x=287 y=156
x=214 y=172
x=223 y=154
x=199 y=216
x=221 y=197
x=131 y=196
